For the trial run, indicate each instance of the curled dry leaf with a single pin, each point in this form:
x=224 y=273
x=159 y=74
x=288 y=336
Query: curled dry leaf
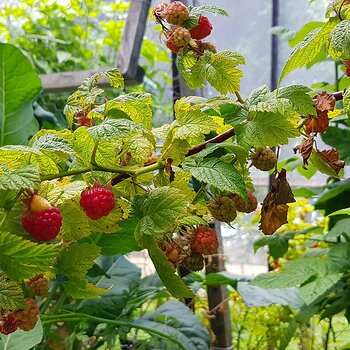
x=331 y=157
x=305 y=149
x=324 y=101
x=274 y=209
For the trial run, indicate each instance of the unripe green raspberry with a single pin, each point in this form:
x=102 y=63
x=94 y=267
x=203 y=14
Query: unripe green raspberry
x=206 y=46
x=241 y=206
x=223 y=209
x=194 y=262
x=181 y=37
x=264 y=159
x=176 y=13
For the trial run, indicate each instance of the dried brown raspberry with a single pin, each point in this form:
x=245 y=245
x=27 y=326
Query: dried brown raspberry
x=206 y=46
x=194 y=262
x=28 y=317
x=8 y=322
x=243 y=207
x=205 y=241
x=176 y=13
x=38 y=285
x=223 y=209
x=264 y=159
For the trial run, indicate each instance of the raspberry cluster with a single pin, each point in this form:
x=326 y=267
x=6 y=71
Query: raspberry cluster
x=38 y=285
x=264 y=159
x=97 y=201
x=41 y=220
x=179 y=30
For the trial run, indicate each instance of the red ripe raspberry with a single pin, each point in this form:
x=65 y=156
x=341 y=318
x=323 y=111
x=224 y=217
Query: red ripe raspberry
x=205 y=241
x=203 y=29
x=315 y=245
x=180 y=36
x=97 y=201
x=176 y=13
x=28 y=317
x=194 y=262
x=241 y=205
x=43 y=225
x=264 y=159
x=171 y=46
x=223 y=209
x=347 y=66
x=38 y=285
x=8 y=322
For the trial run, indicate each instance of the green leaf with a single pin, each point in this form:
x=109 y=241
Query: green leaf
x=120 y=279
x=77 y=259
x=340 y=41
x=80 y=288
x=221 y=278
x=255 y=296
x=311 y=291
x=200 y=10
x=265 y=129
x=121 y=242
x=157 y=211
x=307 y=50
x=135 y=105
x=75 y=224
x=217 y=173
x=219 y=69
x=180 y=324
x=11 y=294
x=115 y=78
x=346 y=102
x=25 y=177
x=278 y=244
x=21 y=259
x=19 y=85
x=339 y=256
x=22 y=340
x=341 y=227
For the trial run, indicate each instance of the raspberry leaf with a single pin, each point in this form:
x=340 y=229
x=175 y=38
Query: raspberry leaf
x=217 y=173
x=75 y=224
x=200 y=10
x=80 y=288
x=11 y=294
x=308 y=49
x=21 y=178
x=340 y=41
x=158 y=211
x=21 y=259
x=346 y=102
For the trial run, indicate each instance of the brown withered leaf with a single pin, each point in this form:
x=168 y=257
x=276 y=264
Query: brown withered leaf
x=324 y=101
x=274 y=209
x=305 y=149
x=317 y=124
x=331 y=157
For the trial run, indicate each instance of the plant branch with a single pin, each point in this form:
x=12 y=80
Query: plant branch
x=217 y=139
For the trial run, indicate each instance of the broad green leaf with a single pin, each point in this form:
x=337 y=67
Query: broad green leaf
x=217 y=173
x=75 y=224
x=200 y=10
x=136 y=105
x=80 y=288
x=219 y=69
x=11 y=294
x=265 y=129
x=339 y=256
x=166 y=272
x=255 y=296
x=180 y=325
x=277 y=243
x=191 y=122
x=121 y=242
x=221 y=278
x=108 y=223
x=157 y=211
x=19 y=85
x=121 y=278
x=340 y=41
x=341 y=227
x=115 y=78
x=21 y=259
x=21 y=178
x=22 y=340
x=307 y=50
x=75 y=260
x=346 y=102
x=302 y=33
x=311 y=291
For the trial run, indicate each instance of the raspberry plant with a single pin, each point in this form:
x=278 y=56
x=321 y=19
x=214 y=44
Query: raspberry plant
x=111 y=183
